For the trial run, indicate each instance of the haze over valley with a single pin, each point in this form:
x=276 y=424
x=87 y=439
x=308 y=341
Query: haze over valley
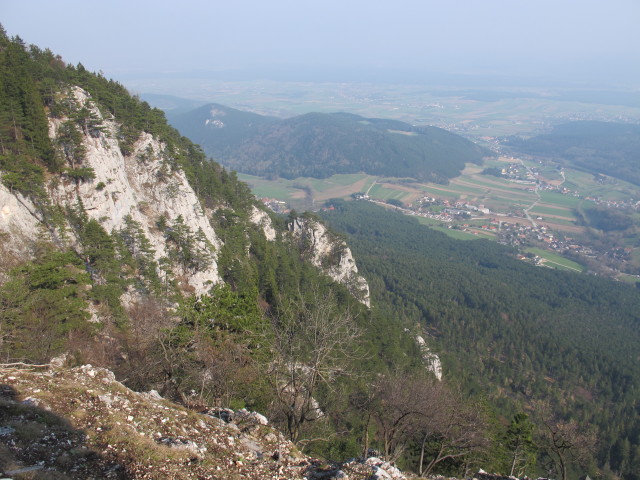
x=320 y=240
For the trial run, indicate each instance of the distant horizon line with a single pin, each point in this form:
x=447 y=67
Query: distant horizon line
x=379 y=75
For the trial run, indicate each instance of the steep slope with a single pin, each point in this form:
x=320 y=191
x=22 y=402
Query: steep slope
x=113 y=224
x=125 y=247
x=73 y=169
x=320 y=145
x=109 y=431
x=93 y=179
x=139 y=187
x=18 y=224
x=330 y=254
x=519 y=333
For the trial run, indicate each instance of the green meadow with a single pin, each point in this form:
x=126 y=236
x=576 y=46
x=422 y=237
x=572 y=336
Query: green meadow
x=556 y=261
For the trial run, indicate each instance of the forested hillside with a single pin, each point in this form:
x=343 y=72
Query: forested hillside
x=125 y=247
x=268 y=329
x=320 y=145
x=517 y=333
x=596 y=147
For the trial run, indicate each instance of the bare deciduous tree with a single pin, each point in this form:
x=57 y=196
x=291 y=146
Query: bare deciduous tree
x=564 y=441
x=227 y=367
x=456 y=431
x=140 y=365
x=364 y=402
x=401 y=402
x=520 y=445
x=312 y=342
x=424 y=411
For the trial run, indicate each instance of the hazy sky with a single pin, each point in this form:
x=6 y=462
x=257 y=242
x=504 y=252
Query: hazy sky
x=594 y=40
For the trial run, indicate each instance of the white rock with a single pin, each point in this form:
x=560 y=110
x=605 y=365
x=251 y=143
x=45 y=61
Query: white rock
x=261 y=219
x=323 y=247
x=59 y=361
x=431 y=360
x=152 y=395
x=144 y=189
x=35 y=402
x=384 y=470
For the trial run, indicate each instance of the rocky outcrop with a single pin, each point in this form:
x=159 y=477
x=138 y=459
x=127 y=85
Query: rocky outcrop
x=141 y=186
x=82 y=423
x=482 y=475
x=261 y=219
x=331 y=254
x=431 y=360
x=372 y=468
x=19 y=229
x=17 y=219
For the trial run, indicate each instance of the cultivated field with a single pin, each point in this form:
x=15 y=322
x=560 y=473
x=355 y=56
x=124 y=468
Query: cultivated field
x=507 y=200
x=555 y=261
x=499 y=195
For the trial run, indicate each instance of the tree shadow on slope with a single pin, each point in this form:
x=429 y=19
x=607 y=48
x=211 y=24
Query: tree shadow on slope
x=36 y=443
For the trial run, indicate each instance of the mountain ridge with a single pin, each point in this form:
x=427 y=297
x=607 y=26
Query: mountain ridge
x=244 y=313
x=596 y=147
x=322 y=144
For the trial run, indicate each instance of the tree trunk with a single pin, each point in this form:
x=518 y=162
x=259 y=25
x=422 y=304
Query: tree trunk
x=435 y=460
x=563 y=468
x=365 y=449
x=424 y=444
x=513 y=463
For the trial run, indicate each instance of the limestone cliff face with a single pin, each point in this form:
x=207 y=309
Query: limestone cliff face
x=431 y=360
x=144 y=186
x=261 y=219
x=141 y=186
x=19 y=227
x=17 y=221
x=331 y=254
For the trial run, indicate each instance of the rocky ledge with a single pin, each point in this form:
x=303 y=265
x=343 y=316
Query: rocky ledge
x=81 y=423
